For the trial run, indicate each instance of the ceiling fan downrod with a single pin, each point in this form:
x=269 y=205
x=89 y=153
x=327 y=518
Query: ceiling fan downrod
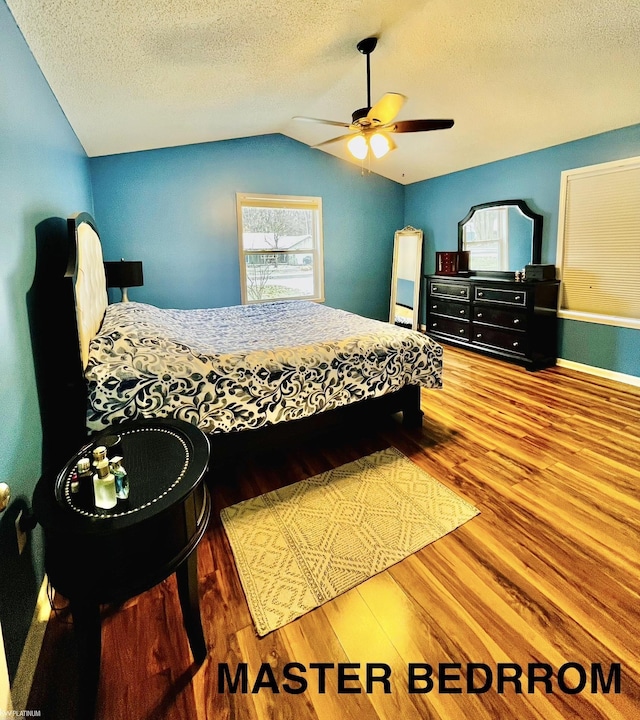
x=366 y=47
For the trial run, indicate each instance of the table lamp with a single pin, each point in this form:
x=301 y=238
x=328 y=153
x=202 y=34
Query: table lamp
x=124 y=274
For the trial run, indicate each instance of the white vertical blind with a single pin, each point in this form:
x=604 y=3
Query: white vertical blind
x=599 y=243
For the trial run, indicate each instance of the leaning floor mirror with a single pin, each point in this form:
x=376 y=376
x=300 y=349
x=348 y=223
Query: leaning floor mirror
x=405 y=277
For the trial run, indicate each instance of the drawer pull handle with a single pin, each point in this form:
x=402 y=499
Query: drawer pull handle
x=479 y=315
x=434 y=307
x=480 y=294
x=478 y=335
x=435 y=288
x=434 y=324
x=461 y=312
x=462 y=292
x=515 y=344
x=517 y=297
x=516 y=321
x=461 y=331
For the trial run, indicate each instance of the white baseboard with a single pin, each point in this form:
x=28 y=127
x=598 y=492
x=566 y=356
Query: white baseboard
x=23 y=679
x=600 y=372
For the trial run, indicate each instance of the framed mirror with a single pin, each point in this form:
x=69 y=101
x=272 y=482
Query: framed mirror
x=405 y=277
x=501 y=237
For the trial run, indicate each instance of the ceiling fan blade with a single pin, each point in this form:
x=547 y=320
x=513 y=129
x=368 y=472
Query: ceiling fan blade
x=406 y=126
x=387 y=108
x=335 y=139
x=324 y=122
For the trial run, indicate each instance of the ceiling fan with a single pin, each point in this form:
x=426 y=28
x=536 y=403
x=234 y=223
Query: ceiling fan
x=371 y=126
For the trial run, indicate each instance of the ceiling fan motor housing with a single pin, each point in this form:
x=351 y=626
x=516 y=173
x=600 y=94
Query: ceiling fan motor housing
x=359 y=114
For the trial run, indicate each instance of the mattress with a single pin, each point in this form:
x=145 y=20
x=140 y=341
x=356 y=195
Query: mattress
x=247 y=366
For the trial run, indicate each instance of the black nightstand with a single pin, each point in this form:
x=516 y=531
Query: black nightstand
x=95 y=557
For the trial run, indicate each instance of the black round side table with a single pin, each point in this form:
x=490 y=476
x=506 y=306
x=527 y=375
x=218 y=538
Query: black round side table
x=95 y=556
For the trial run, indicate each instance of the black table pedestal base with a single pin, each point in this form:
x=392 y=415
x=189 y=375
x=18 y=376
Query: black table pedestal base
x=187 y=576
x=95 y=557
x=88 y=634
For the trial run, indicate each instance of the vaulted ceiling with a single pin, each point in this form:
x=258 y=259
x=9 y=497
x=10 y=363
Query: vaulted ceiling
x=515 y=76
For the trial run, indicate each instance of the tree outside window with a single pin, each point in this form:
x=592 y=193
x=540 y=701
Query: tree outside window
x=486 y=236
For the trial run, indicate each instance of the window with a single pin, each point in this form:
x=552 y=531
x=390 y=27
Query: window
x=599 y=243
x=280 y=240
x=486 y=235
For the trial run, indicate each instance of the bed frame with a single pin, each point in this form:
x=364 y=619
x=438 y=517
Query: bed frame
x=65 y=313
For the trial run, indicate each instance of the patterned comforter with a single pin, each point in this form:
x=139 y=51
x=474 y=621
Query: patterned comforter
x=243 y=367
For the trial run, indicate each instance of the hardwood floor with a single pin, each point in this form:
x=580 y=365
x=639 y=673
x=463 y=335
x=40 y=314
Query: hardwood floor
x=547 y=574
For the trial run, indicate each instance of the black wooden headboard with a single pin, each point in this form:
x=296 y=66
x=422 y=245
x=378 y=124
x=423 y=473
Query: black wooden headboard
x=55 y=338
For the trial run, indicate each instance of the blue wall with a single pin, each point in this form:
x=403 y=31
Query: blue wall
x=438 y=204
x=175 y=209
x=43 y=172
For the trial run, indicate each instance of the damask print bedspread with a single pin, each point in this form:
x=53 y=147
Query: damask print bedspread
x=246 y=366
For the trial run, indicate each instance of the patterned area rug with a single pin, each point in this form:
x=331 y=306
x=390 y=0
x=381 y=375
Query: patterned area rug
x=299 y=546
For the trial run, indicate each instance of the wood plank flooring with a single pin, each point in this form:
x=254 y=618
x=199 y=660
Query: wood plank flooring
x=547 y=574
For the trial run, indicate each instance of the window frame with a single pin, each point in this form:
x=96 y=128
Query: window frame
x=285 y=202
x=566 y=176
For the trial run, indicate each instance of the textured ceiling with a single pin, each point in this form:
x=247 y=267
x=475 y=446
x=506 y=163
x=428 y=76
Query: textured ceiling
x=515 y=76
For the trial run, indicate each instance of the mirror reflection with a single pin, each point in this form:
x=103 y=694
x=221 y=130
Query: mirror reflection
x=501 y=236
x=405 y=277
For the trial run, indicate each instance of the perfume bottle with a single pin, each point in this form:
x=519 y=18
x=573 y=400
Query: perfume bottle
x=99 y=453
x=104 y=484
x=75 y=484
x=85 y=480
x=120 y=475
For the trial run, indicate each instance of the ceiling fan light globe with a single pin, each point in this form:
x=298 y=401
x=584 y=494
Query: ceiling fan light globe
x=358 y=147
x=379 y=144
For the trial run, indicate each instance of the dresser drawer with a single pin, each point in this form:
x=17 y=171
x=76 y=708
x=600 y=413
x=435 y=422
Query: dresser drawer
x=503 y=317
x=509 y=297
x=449 y=289
x=448 y=326
x=450 y=308
x=493 y=337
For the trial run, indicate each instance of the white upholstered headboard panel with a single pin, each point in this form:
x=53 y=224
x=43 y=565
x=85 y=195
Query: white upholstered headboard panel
x=90 y=287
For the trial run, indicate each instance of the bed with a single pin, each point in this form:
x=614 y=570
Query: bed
x=236 y=372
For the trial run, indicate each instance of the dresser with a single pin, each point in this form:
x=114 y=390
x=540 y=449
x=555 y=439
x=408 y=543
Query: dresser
x=514 y=321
